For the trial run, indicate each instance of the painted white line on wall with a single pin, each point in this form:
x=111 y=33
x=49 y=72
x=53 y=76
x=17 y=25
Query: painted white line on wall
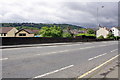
x=96 y=57
x=54 y=71
x=114 y=50
x=3 y=59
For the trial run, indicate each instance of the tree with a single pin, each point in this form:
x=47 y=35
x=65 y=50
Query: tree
x=110 y=36
x=45 y=32
x=51 y=32
x=67 y=35
x=101 y=37
x=56 y=31
x=90 y=31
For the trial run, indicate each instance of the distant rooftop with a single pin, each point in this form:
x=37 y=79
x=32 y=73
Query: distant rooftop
x=5 y=29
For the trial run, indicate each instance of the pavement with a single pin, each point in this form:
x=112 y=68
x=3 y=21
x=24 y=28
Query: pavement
x=60 y=61
x=35 y=45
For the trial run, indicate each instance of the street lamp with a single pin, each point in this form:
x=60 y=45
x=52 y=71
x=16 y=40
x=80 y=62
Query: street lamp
x=98 y=24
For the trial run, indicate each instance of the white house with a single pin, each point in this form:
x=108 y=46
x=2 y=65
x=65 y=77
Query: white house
x=103 y=31
x=115 y=31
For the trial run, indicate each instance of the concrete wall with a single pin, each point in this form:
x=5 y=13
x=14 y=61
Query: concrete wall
x=40 y=40
x=27 y=34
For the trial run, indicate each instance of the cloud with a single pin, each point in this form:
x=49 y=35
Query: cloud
x=60 y=11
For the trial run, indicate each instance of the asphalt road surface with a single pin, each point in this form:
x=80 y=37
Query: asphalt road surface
x=58 y=61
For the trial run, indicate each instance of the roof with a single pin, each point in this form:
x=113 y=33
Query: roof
x=29 y=31
x=105 y=28
x=5 y=29
x=118 y=28
x=35 y=31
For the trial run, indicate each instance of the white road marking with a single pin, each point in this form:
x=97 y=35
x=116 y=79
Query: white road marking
x=114 y=50
x=105 y=42
x=3 y=59
x=20 y=48
x=82 y=76
x=53 y=52
x=88 y=43
x=96 y=57
x=102 y=45
x=54 y=71
x=64 y=51
x=67 y=45
x=88 y=47
x=71 y=50
x=54 y=46
x=12 y=49
x=51 y=46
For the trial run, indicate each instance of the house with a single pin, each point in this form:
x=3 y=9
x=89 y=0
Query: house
x=26 y=33
x=103 y=31
x=115 y=31
x=7 y=31
x=74 y=31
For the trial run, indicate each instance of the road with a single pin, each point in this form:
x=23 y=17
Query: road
x=58 y=61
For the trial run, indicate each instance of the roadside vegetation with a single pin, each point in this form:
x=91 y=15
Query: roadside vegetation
x=101 y=37
x=67 y=35
x=86 y=34
x=51 y=32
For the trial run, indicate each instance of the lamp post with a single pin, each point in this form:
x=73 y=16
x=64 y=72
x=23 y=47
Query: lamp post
x=97 y=18
x=98 y=24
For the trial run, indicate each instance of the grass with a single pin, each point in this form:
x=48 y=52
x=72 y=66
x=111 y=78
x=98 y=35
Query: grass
x=81 y=34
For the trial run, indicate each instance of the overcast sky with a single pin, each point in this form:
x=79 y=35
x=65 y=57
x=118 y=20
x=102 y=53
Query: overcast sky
x=60 y=11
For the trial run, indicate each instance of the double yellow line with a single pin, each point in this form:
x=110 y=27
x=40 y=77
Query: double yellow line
x=85 y=74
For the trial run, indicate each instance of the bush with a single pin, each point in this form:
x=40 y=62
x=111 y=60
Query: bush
x=90 y=31
x=67 y=35
x=81 y=34
x=110 y=36
x=101 y=37
x=51 y=31
x=117 y=37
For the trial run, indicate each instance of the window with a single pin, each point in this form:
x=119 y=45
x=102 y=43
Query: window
x=22 y=34
x=3 y=34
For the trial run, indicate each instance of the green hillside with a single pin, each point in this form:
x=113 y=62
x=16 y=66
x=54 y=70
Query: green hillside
x=38 y=25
